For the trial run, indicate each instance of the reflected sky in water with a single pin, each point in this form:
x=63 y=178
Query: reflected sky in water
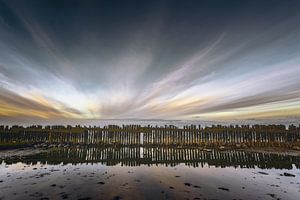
x=69 y=175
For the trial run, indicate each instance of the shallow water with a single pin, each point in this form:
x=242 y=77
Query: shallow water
x=182 y=174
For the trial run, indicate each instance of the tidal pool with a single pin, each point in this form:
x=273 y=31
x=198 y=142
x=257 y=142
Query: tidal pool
x=153 y=173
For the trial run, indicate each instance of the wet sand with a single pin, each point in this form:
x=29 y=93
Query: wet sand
x=20 y=152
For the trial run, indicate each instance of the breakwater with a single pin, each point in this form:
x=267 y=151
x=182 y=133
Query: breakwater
x=136 y=135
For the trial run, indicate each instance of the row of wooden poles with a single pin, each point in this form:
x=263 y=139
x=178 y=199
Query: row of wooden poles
x=134 y=156
x=143 y=136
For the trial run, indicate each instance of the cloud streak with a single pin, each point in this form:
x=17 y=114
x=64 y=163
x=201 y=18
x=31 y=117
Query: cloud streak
x=143 y=62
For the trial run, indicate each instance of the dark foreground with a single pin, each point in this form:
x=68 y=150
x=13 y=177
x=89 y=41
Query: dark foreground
x=148 y=173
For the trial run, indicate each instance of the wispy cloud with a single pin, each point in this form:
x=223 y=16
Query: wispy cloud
x=149 y=70
x=16 y=105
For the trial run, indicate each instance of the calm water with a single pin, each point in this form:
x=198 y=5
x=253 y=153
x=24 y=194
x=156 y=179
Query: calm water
x=152 y=173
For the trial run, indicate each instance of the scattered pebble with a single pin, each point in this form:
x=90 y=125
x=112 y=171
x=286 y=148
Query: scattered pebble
x=222 y=188
x=263 y=173
x=288 y=174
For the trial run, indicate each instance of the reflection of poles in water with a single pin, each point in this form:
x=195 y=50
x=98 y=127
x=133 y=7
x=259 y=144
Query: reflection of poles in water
x=131 y=135
x=133 y=156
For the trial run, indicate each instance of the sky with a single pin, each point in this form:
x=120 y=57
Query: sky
x=186 y=60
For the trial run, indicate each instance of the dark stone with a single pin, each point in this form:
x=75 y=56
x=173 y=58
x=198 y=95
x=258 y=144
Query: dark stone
x=263 y=173
x=288 y=174
x=64 y=196
x=271 y=195
x=187 y=184
x=222 y=188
